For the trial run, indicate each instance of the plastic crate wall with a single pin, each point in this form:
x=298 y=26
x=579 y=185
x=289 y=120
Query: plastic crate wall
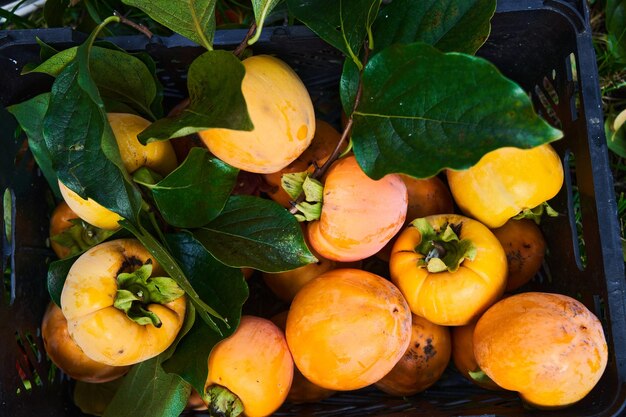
x=545 y=45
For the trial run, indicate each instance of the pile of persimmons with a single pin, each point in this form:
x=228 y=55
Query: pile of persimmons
x=456 y=244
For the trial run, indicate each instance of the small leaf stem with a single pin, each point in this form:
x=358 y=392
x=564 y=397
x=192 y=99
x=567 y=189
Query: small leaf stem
x=140 y=28
x=244 y=43
x=320 y=171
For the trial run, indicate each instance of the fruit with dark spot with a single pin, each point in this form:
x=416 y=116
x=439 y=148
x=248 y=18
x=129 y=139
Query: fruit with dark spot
x=423 y=363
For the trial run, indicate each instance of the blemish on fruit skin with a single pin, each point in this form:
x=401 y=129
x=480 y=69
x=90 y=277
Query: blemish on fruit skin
x=302 y=132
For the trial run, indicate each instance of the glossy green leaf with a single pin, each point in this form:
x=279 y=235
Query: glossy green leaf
x=219 y=285
x=256 y=233
x=423 y=111
x=194 y=19
x=616 y=28
x=215 y=99
x=30 y=116
x=120 y=77
x=345 y=24
x=196 y=191
x=57 y=272
x=148 y=391
x=94 y=398
x=82 y=146
x=448 y=25
x=45 y=51
x=262 y=9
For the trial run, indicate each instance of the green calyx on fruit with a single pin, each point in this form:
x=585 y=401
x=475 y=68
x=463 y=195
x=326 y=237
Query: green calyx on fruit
x=297 y=183
x=480 y=376
x=222 y=402
x=136 y=290
x=442 y=249
x=535 y=213
x=81 y=236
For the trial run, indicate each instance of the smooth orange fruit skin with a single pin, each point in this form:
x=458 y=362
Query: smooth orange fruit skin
x=347 y=329
x=158 y=156
x=302 y=390
x=423 y=362
x=255 y=364
x=359 y=214
x=548 y=347
x=506 y=181
x=282 y=113
x=463 y=354
x=68 y=356
x=450 y=298
x=324 y=142
x=525 y=248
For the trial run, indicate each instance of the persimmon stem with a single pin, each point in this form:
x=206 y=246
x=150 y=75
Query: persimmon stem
x=140 y=28
x=320 y=171
x=244 y=43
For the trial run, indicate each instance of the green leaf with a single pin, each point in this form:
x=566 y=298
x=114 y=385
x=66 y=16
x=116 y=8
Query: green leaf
x=221 y=286
x=422 y=111
x=82 y=146
x=215 y=99
x=148 y=391
x=57 y=272
x=119 y=76
x=195 y=193
x=29 y=115
x=81 y=236
x=194 y=19
x=448 y=25
x=45 y=51
x=345 y=24
x=262 y=9
x=256 y=233
x=93 y=398
x=616 y=28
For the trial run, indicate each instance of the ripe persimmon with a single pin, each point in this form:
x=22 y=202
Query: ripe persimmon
x=464 y=359
x=359 y=215
x=68 y=356
x=423 y=362
x=281 y=111
x=548 y=347
x=347 y=329
x=302 y=390
x=525 y=248
x=250 y=371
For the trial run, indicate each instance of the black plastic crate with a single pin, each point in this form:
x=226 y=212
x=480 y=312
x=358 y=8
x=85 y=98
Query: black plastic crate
x=544 y=45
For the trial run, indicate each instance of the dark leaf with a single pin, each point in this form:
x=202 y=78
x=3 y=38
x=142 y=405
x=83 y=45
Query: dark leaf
x=216 y=100
x=148 y=391
x=93 y=398
x=53 y=12
x=256 y=233
x=423 y=111
x=120 y=77
x=30 y=116
x=194 y=19
x=616 y=28
x=448 y=25
x=343 y=24
x=219 y=285
x=57 y=273
x=81 y=143
x=196 y=191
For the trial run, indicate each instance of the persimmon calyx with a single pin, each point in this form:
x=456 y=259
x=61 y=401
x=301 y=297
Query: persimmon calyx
x=442 y=249
x=535 y=213
x=81 y=236
x=222 y=402
x=480 y=376
x=137 y=289
x=297 y=183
